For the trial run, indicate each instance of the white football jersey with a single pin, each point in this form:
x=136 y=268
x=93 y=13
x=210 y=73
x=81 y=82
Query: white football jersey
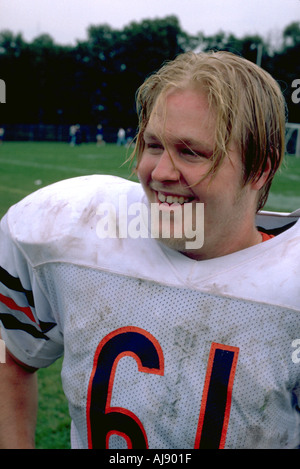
x=160 y=351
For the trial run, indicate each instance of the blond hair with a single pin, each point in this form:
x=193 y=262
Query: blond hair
x=247 y=102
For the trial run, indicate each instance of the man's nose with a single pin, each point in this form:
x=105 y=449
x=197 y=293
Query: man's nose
x=165 y=169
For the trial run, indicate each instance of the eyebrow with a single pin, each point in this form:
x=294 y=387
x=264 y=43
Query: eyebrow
x=150 y=135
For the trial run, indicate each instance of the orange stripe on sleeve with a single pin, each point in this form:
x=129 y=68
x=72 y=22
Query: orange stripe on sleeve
x=12 y=305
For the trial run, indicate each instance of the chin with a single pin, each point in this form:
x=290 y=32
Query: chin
x=175 y=244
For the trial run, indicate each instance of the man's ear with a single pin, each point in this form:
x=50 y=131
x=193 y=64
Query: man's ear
x=260 y=181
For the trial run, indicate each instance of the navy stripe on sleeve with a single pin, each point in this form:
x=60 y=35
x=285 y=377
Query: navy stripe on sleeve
x=10 y=322
x=14 y=284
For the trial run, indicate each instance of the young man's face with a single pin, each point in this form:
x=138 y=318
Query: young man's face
x=179 y=141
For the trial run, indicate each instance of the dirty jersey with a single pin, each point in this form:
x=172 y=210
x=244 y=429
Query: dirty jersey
x=159 y=351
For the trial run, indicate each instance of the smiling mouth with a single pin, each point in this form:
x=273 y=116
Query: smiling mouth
x=173 y=199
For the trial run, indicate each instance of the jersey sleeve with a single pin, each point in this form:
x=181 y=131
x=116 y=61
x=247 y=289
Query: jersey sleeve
x=29 y=327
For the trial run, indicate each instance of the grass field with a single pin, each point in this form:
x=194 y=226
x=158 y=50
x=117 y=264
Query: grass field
x=26 y=167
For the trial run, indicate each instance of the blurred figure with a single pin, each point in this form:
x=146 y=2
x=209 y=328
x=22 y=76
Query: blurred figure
x=75 y=135
x=78 y=135
x=99 y=136
x=129 y=137
x=72 y=134
x=121 y=137
x=2 y=132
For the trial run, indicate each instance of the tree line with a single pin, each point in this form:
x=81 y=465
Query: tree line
x=96 y=79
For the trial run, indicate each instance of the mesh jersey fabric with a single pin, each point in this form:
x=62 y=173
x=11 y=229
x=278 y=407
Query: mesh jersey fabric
x=159 y=351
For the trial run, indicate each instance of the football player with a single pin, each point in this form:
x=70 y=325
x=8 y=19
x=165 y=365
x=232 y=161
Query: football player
x=169 y=341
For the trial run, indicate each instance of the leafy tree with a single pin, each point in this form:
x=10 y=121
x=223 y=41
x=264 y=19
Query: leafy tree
x=247 y=46
x=285 y=67
x=291 y=35
x=96 y=80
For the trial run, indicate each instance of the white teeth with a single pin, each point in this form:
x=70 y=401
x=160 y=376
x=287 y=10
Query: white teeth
x=161 y=197
x=170 y=199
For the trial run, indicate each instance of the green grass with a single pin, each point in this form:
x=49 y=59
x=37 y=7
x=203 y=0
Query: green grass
x=285 y=191
x=26 y=167
x=53 y=424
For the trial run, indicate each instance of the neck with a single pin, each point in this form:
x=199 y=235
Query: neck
x=211 y=250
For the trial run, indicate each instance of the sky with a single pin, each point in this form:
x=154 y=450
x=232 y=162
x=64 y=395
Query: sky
x=67 y=20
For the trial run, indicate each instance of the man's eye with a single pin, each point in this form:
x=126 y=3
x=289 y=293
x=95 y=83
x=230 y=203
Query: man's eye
x=188 y=151
x=192 y=153
x=153 y=146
